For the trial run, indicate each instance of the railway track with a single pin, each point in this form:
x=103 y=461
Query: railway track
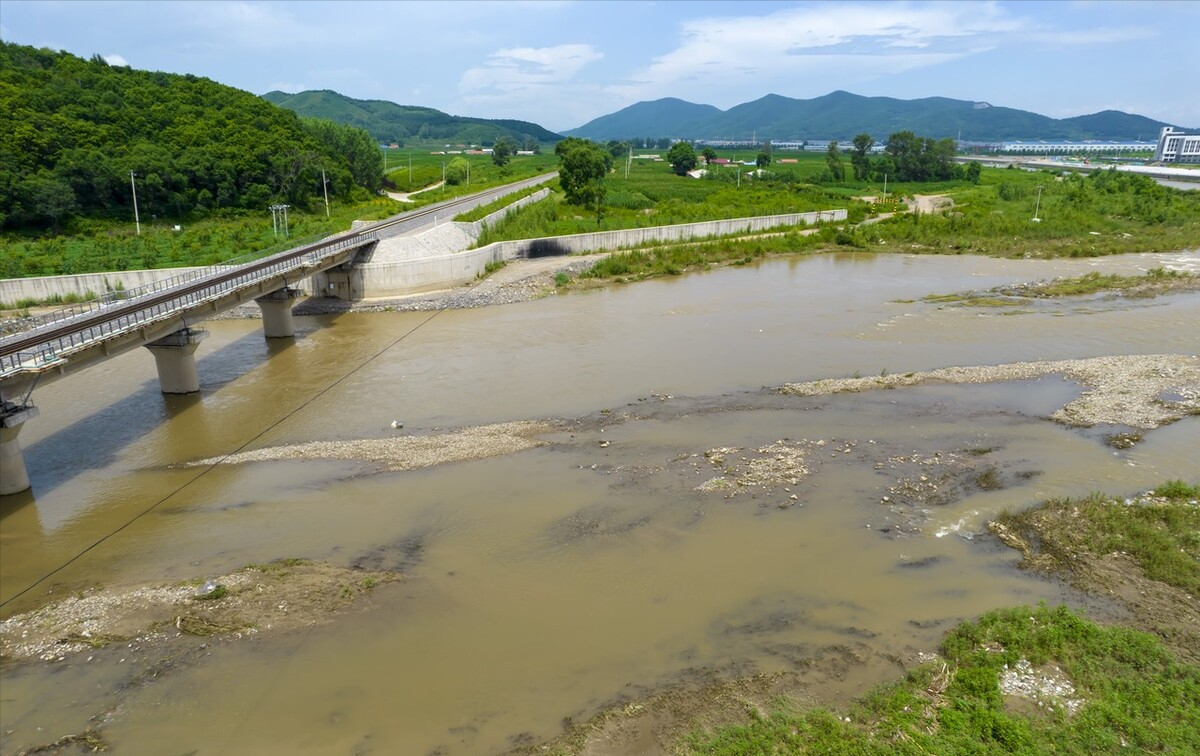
x=73 y=326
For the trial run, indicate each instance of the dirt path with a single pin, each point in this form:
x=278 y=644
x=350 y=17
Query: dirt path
x=407 y=196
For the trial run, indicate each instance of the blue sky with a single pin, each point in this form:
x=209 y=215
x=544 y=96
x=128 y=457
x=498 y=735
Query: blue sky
x=561 y=63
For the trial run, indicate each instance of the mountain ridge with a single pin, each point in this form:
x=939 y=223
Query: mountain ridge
x=841 y=115
x=390 y=122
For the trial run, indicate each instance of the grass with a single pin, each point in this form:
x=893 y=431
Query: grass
x=279 y=567
x=1081 y=216
x=484 y=211
x=1134 y=696
x=1094 y=282
x=1119 y=690
x=102 y=245
x=1156 y=280
x=1163 y=537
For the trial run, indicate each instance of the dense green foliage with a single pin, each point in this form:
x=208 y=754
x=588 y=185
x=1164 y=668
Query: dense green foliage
x=390 y=123
x=75 y=129
x=832 y=116
x=1128 y=695
x=682 y=157
x=102 y=246
x=583 y=166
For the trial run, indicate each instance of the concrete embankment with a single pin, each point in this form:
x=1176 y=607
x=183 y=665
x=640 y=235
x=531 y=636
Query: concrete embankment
x=418 y=275
x=434 y=258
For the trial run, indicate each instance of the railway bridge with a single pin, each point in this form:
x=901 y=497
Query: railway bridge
x=163 y=317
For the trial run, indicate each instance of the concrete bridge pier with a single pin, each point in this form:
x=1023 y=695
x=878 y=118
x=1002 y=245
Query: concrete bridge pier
x=13 y=476
x=277 y=313
x=175 y=355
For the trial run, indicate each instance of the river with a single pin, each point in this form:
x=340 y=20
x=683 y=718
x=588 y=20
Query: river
x=549 y=583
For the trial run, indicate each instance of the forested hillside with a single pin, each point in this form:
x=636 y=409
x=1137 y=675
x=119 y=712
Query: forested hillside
x=392 y=123
x=74 y=129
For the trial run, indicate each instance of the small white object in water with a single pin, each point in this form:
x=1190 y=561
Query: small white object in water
x=397 y=424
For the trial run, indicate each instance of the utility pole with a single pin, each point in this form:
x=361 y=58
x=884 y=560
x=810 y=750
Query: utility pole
x=275 y=219
x=1037 y=206
x=325 y=188
x=136 y=221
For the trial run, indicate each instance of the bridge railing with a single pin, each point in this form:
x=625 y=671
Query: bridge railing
x=122 y=296
x=50 y=352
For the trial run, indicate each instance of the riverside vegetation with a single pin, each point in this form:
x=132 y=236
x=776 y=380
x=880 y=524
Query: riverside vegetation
x=1103 y=213
x=1020 y=680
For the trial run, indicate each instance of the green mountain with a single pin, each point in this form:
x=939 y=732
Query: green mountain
x=75 y=129
x=657 y=118
x=842 y=115
x=392 y=123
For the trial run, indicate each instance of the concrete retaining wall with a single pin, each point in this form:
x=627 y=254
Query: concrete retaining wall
x=432 y=273
x=397 y=278
x=13 y=290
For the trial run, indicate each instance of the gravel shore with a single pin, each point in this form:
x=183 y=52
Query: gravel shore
x=405 y=452
x=1140 y=391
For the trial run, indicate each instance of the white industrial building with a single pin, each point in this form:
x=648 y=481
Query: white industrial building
x=1073 y=148
x=1177 y=146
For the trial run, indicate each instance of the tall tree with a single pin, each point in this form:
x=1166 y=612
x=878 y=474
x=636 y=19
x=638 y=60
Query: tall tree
x=833 y=159
x=503 y=149
x=682 y=157
x=582 y=166
x=860 y=159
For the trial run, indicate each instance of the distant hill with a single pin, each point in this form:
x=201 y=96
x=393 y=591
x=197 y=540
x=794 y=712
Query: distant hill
x=842 y=115
x=657 y=118
x=389 y=122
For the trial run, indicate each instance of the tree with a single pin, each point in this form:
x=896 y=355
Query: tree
x=973 y=171
x=833 y=159
x=709 y=155
x=859 y=159
x=456 y=171
x=682 y=157
x=582 y=166
x=503 y=149
x=763 y=159
x=617 y=149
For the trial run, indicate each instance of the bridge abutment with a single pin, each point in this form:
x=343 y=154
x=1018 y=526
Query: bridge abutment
x=14 y=478
x=277 y=313
x=175 y=355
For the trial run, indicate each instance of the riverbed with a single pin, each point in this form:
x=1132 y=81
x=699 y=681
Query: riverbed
x=674 y=518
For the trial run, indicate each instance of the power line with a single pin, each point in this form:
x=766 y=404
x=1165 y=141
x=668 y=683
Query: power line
x=214 y=465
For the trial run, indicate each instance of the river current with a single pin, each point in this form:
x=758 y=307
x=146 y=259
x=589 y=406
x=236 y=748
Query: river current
x=549 y=583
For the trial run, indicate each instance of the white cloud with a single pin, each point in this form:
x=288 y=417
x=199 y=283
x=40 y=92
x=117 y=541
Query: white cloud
x=521 y=69
x=535 y=81
x=745 y=54
x=115 y=60
x=1099 y=36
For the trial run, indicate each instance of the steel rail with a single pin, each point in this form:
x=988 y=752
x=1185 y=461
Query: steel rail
x=154 y=302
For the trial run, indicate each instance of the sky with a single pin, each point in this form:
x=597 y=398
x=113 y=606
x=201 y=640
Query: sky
x=562 y=63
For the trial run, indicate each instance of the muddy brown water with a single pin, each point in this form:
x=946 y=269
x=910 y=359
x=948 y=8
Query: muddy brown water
x=552 y=582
